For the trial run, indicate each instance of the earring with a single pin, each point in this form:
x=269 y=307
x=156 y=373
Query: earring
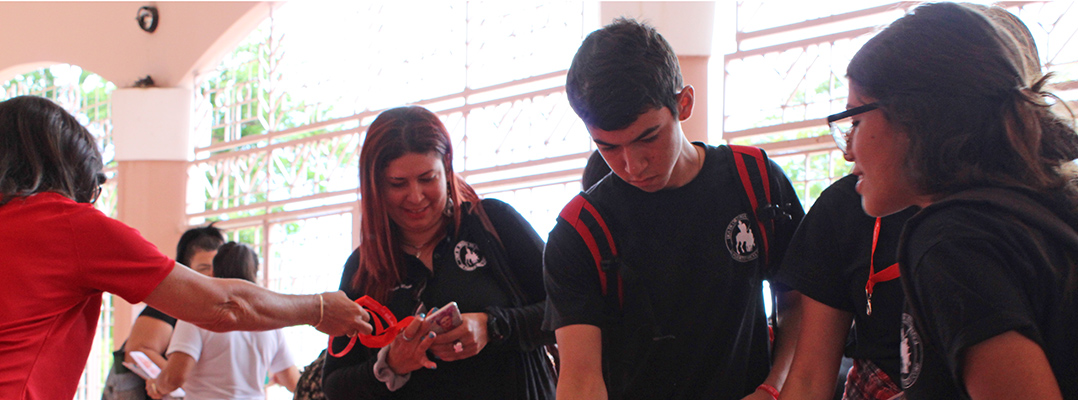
x=448 y=207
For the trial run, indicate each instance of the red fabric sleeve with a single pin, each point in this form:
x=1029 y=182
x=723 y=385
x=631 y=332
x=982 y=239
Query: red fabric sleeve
x=114 y=257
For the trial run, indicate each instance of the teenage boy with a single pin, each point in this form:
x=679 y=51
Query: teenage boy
x=688 y=321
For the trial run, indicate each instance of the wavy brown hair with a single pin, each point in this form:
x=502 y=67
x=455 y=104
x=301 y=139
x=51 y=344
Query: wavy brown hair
x=43 y=148
x=394 y=133
x=955 y=84
x=959 y=87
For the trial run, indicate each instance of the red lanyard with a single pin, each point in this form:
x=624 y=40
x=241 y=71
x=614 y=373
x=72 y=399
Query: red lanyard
x=874 y=277
x=380 y=337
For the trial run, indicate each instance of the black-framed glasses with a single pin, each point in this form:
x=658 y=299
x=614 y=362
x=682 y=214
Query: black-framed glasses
x=842 y=126
x=100 y=178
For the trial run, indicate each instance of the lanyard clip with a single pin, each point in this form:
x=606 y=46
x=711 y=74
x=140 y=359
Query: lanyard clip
x=868 y=303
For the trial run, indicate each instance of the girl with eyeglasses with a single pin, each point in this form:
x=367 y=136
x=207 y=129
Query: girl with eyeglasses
x=844 y=262
x=987 y=265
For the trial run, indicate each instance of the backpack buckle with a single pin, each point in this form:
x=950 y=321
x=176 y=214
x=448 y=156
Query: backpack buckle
x=609 y=265
x=771 y=212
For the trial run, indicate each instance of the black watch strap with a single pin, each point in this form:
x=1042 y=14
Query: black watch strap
x=495 y=330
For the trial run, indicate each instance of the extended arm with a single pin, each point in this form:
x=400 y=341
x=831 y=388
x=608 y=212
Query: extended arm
x=232 y=304
x=1008 y=366
x=581 y=348
x=815 y=367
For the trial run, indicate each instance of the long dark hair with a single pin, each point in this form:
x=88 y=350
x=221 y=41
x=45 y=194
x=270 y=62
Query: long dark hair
x=43 y=148
x=952 y=81
x=958 y=87
x=394 y=133
x=235 y=260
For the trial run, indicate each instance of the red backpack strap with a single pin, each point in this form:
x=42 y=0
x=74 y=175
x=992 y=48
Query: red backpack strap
x=589 y=224
x=744 y=156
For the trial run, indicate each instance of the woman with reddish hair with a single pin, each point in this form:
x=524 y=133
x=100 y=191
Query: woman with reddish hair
x=427 y=240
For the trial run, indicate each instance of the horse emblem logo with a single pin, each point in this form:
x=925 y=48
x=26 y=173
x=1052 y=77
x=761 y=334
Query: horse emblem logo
x=467 y=256
x=912 y=350
x=739 y=239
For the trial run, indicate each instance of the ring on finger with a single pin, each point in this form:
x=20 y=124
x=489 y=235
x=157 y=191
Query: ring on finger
x=405 y=337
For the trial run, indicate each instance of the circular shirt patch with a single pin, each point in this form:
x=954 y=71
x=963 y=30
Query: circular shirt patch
x=912 y=351
x=739 y=239
x=467 y=255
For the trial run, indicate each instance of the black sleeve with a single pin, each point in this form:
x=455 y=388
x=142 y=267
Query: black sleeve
x=351 y=267
x=572 y=280
x=968 y=286
x=824 y=245
x=784 y=227
x=157 y=314
x=352 y=375
x=522 y=327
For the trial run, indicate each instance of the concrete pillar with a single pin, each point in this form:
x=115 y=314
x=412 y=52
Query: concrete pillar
x=151 y=132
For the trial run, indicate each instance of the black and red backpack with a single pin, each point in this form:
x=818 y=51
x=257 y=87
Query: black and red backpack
x=751 y=164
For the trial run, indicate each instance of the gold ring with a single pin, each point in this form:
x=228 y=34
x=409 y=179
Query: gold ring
x=154 y=386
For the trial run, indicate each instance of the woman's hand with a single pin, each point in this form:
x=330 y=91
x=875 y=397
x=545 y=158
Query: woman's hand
x=408 y=352
x=152 y=389
x=464 y=341
x=342 y=317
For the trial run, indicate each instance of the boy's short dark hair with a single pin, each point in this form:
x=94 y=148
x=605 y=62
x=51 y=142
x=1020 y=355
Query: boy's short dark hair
x=621 y=71
x=205 y=238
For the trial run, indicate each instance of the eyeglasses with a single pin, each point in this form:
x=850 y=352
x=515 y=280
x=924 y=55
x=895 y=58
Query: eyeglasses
x=842 y=126
x=101 y=179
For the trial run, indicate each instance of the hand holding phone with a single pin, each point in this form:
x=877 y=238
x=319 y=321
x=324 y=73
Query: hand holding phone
x=445 y=319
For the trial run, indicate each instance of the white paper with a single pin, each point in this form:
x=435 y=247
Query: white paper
x=145 y=368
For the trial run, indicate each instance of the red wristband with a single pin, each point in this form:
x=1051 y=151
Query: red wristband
x=770 y=390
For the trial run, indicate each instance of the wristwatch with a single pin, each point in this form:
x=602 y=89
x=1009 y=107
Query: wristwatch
x=495 y=332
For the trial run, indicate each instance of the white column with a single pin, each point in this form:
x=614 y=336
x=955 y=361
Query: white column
x=151 y=132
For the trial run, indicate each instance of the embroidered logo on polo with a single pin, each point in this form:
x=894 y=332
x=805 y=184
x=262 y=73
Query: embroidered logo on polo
x=467 y=256
x=912 y=351
x=739 y=239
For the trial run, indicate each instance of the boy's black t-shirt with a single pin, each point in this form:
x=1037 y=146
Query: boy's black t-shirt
x=692 y=264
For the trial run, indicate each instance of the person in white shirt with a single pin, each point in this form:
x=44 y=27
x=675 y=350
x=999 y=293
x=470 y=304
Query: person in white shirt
x=227 y=365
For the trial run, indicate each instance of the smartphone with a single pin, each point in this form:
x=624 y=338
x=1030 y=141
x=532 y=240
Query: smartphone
x=445 y=319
